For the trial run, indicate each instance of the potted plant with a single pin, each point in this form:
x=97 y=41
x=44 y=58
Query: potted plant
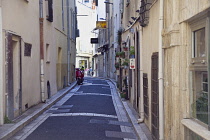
x=122 y=54
x=117 y=65
x=125 y=62
x=117 y=54
x=132 y=52
x=125 y=48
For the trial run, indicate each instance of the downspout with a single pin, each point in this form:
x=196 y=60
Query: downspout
x=41 y=50
x=208 y=30
x=141 y=119
x=68 y=42
x=1 y=73
x=160 y=73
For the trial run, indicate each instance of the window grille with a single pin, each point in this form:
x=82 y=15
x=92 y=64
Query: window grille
x=144 y=12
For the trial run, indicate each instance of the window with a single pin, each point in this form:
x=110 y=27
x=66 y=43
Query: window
x=199 y=43
x=200 y=96
x=49 y=10
x=27 y=49
x=198 y=70
x=47 y=53
x=73 y=27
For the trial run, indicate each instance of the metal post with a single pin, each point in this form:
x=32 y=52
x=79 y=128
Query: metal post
x=68 y=42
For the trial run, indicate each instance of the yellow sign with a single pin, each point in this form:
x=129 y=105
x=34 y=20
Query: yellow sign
x=101 y=24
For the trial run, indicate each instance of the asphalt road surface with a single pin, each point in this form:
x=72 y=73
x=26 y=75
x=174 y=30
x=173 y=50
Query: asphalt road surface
x=92 y=111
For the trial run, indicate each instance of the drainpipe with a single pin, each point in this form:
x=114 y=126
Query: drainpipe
x=208 y=29
x=41 y=50
x=1 y=73
x=141 y=119
x=68 y=42
x=160 y=73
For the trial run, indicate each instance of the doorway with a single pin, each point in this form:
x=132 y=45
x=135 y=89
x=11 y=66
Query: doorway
x=13 y=76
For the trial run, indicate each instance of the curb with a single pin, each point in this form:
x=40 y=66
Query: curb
x=18 y=126
x=138 y=130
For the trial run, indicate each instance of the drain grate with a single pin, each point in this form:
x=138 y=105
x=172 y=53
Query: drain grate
x=115 y=134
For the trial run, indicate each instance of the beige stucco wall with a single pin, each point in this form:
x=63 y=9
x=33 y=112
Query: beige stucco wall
x=149 y=37
x=27 y=15
x=177 y=39
x=53 y=38
x=149 y=46
x=72 y=46
x=21 y=18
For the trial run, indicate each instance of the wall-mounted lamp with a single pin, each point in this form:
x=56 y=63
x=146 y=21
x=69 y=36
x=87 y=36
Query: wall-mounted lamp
x=134 y=18
x=82 y=15
x=107 y=2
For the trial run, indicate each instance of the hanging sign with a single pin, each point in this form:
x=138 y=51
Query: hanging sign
x=101 y=24
x=132 y=63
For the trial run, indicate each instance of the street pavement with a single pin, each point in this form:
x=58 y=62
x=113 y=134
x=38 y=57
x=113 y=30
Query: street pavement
x=92 y=111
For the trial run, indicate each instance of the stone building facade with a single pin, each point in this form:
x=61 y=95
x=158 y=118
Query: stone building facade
x=169 y=85
x=34 y=39
x=186 y=45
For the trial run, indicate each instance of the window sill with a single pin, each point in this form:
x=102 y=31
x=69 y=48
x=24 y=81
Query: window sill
x=196 y=128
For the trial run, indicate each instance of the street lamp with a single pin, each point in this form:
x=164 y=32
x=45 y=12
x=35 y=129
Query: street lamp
x=82 y=15
x=107 y=2
x=102 y=19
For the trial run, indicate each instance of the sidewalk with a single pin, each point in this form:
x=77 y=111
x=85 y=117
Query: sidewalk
x=141 y=129
x=8 y=130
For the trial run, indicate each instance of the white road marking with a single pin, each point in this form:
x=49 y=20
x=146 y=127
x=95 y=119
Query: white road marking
x=94 y=94
x=83 y=114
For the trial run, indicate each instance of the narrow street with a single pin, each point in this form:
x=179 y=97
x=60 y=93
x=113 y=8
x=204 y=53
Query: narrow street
x=92 y=111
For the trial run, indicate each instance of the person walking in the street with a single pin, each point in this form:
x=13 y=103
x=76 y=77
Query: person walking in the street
x=90 y=71
x=82 y=68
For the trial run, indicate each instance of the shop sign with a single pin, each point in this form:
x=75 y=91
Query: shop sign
x=101 y=24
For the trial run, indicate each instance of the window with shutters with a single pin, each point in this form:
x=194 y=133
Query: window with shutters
x=146 y=98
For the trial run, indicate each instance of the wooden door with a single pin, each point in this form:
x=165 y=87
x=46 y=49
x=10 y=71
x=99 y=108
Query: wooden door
x=155 y=97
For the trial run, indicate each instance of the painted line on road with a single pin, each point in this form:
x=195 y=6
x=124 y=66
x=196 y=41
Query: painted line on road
x=99 y=94
x=96 y=85
x=83 y=114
